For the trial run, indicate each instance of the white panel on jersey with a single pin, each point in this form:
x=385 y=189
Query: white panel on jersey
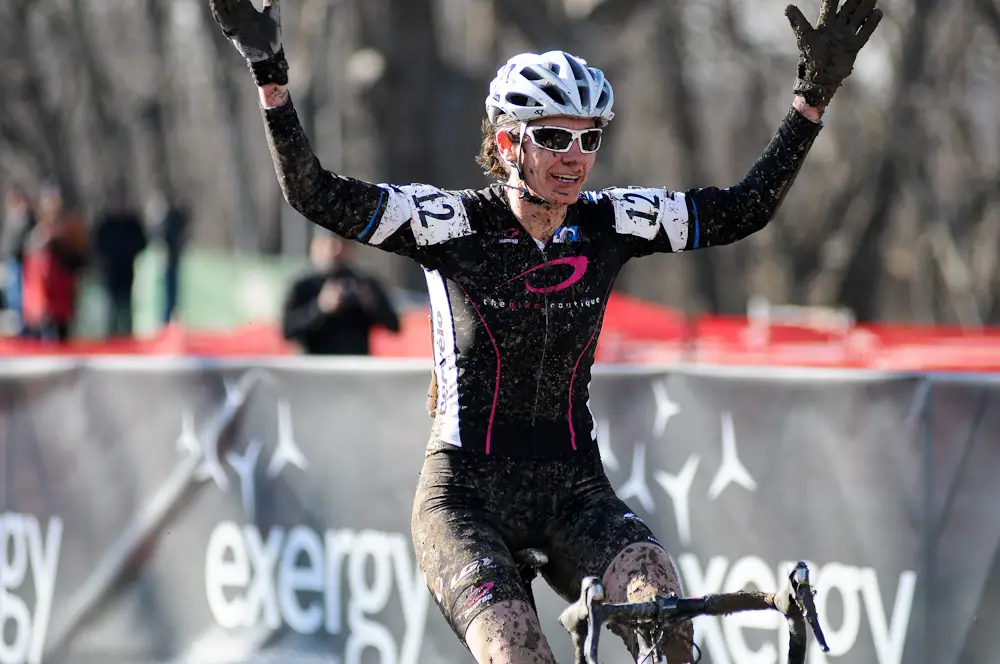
x=676 y=221
x=593 y=420
x=437 y=216
x=445 y=359
x=397 y=214
x=642 y=212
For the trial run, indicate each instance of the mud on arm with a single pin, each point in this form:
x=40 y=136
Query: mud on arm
x=343 y=205
x=722 y=216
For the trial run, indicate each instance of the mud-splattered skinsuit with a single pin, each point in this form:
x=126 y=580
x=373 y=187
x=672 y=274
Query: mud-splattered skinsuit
x=512 y=460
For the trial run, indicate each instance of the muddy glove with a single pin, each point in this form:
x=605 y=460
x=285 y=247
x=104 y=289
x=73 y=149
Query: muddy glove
x=827 y=52
x=256 y=35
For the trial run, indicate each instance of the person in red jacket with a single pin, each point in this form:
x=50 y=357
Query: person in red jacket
x=54 y=256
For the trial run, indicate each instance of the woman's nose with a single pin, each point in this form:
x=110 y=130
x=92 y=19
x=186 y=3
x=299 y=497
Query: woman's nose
x=575 y=152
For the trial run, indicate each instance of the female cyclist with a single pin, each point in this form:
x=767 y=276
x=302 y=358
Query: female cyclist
x=519 y=275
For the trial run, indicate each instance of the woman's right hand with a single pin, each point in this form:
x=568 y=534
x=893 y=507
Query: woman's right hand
x=256 y=35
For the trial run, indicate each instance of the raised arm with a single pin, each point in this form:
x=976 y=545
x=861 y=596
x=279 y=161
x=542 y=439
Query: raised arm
x=375 y=214
x=721 y=216
x=344 y=205
x=712 y=216
x=826 y=58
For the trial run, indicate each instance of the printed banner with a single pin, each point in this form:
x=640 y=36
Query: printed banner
x=186 y=512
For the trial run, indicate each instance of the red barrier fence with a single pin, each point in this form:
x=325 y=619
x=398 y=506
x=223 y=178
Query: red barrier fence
x=634 y=332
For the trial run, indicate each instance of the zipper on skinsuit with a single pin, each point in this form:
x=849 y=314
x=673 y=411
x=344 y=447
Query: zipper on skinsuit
x=545 y=340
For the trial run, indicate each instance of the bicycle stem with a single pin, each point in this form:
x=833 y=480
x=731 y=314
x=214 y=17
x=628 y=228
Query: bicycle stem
x=583 y=625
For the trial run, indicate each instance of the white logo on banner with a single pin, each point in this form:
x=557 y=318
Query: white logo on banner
x=29 y=561
x=665 y=407
x=678 y=487
x=725 y=640
x=636 y=487
x=855 y=592
x=732 y=470
x=336 y=582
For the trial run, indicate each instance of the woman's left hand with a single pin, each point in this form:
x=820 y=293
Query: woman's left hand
x=828 y=51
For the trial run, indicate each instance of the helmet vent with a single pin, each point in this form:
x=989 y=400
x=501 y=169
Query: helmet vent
x=520 y=100
x=530 y=74
x=555 y=93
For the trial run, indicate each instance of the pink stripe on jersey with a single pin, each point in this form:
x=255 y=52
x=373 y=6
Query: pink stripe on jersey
x=600 y=319
x=496 y=387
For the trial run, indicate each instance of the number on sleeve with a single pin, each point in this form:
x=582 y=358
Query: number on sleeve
x=643 y=212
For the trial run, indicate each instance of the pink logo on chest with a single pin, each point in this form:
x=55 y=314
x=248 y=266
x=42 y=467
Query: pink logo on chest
x=578 y=263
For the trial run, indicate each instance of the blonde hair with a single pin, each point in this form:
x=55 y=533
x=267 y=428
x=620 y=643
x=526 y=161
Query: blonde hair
x=489 y=153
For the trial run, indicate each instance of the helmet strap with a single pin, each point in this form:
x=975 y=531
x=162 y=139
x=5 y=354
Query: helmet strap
x=526 y=193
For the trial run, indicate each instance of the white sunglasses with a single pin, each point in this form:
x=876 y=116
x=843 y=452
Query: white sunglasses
x=560 y=139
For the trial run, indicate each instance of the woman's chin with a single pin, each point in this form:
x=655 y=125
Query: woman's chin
x=564 y=195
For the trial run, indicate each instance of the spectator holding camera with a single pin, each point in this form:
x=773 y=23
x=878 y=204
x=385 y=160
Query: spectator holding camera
x=332 y=310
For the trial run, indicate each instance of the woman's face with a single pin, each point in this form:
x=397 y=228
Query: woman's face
x=558 y=177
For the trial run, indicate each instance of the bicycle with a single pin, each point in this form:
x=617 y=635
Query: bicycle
x=651 y=620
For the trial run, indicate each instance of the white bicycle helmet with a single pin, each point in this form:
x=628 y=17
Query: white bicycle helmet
x=555 y=83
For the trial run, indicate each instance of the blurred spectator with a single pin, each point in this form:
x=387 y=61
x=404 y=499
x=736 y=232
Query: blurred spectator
x=332 y=310
x=18 y=221
x=119 y=238
x=54 y=256
x=169 y=222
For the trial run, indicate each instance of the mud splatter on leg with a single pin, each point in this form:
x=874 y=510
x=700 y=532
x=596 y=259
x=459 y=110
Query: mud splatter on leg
x=508 y=633
x=639 y=573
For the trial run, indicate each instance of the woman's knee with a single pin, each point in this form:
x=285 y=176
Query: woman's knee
x=640 y=572
x=508 y=633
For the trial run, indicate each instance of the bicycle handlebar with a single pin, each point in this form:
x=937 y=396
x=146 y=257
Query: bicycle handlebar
x=584 y=618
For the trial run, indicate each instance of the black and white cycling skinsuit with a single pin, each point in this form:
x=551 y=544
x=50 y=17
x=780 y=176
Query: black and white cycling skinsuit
x=512 y=460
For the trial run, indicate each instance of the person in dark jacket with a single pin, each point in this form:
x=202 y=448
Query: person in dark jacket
x=119 y=239
x=332 y=310
x=169 y=222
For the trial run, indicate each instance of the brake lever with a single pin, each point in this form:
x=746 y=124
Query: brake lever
x=804 y=598
x=580 y=619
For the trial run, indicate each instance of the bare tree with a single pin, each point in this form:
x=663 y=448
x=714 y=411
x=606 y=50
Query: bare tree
x=896 y=214
x=860 y=287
